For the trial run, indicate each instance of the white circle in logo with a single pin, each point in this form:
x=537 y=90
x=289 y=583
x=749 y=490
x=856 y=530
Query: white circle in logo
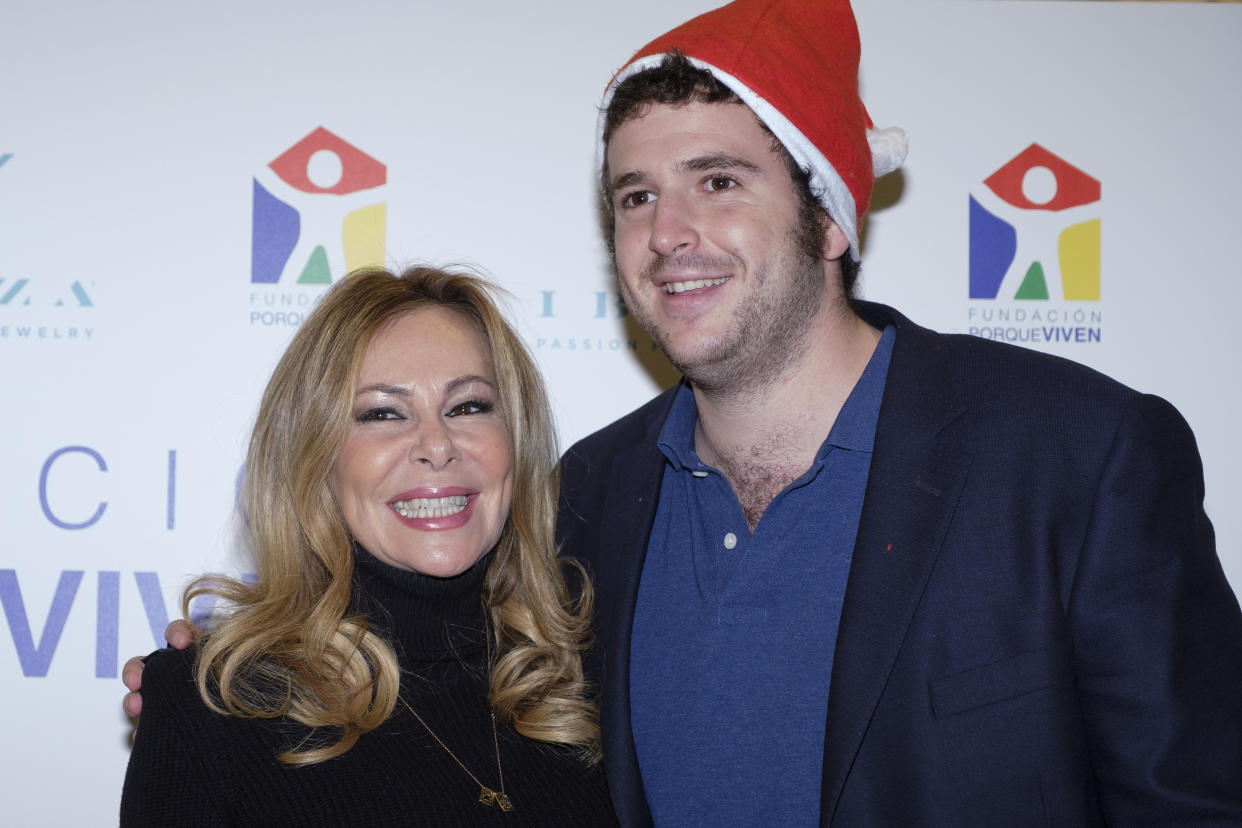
x=324 y=169
x=1039 y=185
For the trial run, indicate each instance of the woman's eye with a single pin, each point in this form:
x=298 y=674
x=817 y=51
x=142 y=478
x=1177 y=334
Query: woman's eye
x=471 y=407
x=375 y=415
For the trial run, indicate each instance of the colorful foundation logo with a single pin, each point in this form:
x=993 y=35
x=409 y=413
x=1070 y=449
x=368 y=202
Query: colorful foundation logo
x=1035 y=231
x=338 y=223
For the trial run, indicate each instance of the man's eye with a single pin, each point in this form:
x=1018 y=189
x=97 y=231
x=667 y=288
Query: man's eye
x=718 y=183
x=375 y=415
x=471 y=407
x=636 y=199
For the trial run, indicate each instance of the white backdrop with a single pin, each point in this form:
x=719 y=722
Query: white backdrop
x=134 y=343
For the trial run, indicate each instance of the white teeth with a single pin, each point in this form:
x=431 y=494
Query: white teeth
x=430 y=507
x=680 y=287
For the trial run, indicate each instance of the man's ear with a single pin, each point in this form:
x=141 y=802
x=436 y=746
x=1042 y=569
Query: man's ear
x=836 y=244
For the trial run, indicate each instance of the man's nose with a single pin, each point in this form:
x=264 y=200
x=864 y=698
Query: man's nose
x=673 y=226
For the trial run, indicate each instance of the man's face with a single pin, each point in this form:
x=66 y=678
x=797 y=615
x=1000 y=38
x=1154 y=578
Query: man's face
x=706 y=220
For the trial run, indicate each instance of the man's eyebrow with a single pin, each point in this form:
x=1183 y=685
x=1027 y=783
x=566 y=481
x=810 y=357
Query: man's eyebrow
x=716 y=161
x=699 y=163
x=628 y=179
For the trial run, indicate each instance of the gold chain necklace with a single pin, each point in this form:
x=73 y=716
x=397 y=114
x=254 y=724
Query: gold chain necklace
x=487 y=796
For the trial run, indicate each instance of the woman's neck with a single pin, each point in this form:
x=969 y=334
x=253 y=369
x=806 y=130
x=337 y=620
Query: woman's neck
x=425 y=617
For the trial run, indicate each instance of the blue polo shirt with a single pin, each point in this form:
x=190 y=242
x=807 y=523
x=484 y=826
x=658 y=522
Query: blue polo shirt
x=734 y=633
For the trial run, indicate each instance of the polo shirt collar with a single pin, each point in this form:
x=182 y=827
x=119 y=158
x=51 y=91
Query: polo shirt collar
x=854 y=429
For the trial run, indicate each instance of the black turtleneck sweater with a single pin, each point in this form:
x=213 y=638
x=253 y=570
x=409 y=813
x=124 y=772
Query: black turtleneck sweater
x=190 y=766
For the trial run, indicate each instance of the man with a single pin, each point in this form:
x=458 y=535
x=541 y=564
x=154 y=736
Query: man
x=854 y=572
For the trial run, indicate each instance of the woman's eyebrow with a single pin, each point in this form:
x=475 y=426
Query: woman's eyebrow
x=401 y=391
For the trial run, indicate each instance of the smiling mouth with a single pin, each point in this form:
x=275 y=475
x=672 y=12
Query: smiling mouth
x=429 y=507
x=695 y=284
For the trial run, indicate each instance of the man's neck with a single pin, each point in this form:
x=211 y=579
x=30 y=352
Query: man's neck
x=766 y=436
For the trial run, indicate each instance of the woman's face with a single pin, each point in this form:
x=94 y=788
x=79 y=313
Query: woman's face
x=425 y=477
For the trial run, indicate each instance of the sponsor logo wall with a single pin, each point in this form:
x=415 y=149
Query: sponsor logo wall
x=153 y=269
x=40 y=308
x=1035 y=252
x=337 y=225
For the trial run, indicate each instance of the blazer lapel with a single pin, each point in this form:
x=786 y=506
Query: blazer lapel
x=633 y=492
x=912 y=491
x=629 y=510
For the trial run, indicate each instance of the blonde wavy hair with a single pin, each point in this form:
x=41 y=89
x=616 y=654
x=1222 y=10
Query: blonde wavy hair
x=287 y=645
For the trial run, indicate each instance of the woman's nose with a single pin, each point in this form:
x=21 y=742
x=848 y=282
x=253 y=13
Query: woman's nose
x=433 y=445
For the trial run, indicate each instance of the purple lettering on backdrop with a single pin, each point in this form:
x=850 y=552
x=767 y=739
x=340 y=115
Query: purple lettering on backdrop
x=35 y=660
x=43 y=474
x=172 y=487
x=153 y=604
x=107 y=623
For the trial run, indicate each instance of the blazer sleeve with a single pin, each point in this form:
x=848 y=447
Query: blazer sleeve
x=1158 y=634
x=167 y=781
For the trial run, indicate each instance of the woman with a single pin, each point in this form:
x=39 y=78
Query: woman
x=409 y=653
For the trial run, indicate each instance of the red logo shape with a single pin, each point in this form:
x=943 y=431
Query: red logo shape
x=359 y=171
x=1074 y=187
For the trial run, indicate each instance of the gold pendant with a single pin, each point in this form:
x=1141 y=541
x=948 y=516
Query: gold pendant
x=489 y=797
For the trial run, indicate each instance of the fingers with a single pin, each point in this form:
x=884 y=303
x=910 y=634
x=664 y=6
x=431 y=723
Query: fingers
x=131 y=674
x=179 y=634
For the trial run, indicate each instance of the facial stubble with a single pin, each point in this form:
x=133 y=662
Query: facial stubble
x=770 y=324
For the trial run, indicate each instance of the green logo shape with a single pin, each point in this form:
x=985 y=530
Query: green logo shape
x=316 y=271
x=1034 y=285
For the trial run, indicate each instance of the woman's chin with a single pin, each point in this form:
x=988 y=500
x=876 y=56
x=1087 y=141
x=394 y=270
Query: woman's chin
x=448 y=566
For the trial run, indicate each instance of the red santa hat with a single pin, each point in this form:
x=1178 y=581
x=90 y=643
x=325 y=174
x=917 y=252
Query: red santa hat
x=795 y=64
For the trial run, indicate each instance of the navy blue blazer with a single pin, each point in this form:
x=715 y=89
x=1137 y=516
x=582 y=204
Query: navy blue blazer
x=1036 y=628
